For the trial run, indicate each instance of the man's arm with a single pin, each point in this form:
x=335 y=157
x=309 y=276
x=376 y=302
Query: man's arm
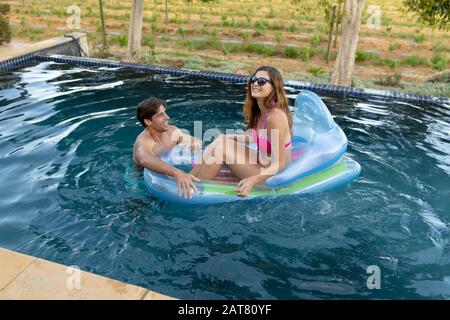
x=148 y=159
x=186 y=139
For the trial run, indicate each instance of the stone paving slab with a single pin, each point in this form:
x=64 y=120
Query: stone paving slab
x=11 y=265
x=16 y=48
x=27 y=278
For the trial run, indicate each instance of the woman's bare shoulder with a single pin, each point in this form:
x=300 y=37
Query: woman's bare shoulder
x=277 y=117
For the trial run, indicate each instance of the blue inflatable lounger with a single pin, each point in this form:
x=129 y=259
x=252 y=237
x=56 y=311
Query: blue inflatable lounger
x=318 y=163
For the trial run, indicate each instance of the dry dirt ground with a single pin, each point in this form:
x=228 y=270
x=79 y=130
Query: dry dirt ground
x=34 y=20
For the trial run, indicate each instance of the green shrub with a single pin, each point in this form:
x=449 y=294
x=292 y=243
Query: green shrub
x=261 y=49
x=294 y=53
x=419 y=38
x=242 y=24
x=213 y=33
x=439 y=61
x=393 y=46
x=414 y=61
x=5 y=29
x=5 y=9
x=225 y=50
x=389 y=80
x=181 y=32
x=244 y=35
x=292 y=27
x=261 y=25
x=305 y=54
x=362 y=56
x=225 y=21
x=323 y=52
x=386 y=20
x=278 y=37
x=199 y=44
x=148 y=40
x=205 y=29
x=258 y=33
x=387 y=63
x=270 y=14
x=165 y=38
x=188 y=44
x=315 y=40
x=316 y=71
x=291 y=52
x=120 y=40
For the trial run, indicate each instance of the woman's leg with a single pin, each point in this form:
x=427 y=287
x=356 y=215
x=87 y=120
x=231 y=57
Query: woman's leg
x=241 y=160
x=210 y=166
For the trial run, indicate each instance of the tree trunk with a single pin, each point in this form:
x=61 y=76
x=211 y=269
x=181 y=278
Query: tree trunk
x=135 y=32
x=345 y=62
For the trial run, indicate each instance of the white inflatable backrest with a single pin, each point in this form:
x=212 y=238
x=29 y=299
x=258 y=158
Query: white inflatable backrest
x=311 y=116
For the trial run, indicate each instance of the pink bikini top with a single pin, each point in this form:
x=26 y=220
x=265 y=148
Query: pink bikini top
x=262 y=143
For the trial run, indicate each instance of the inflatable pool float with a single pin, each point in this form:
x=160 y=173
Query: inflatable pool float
x=318 y=162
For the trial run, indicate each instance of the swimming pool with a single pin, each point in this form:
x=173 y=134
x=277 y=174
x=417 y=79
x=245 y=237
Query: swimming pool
x=66 y=194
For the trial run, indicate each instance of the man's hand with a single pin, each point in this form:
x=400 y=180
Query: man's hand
x=246 y=185
x=185 y=183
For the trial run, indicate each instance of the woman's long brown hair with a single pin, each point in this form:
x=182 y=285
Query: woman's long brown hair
x=276 y=99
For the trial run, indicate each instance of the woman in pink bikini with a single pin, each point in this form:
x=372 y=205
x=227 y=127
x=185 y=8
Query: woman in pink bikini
x=269 y=126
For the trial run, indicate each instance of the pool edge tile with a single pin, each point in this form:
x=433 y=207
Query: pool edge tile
x=12 y=265
x=39 y=279
x=151 y=295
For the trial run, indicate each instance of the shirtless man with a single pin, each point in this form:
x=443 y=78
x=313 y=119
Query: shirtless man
x=158 y=136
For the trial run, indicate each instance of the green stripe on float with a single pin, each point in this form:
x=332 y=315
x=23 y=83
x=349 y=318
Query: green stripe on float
x=311 y=180
x=230 y=189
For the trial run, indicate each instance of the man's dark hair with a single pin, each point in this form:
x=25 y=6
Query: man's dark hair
x=147 y=108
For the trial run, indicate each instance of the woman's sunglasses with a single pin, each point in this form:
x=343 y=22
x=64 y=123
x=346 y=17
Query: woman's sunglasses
x=260 y=81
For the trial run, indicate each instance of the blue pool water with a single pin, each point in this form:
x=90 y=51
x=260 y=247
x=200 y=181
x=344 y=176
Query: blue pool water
x=66 y=137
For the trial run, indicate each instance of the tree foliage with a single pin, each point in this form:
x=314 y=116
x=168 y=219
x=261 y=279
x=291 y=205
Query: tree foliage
x=435 y=13
x=5 y=30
